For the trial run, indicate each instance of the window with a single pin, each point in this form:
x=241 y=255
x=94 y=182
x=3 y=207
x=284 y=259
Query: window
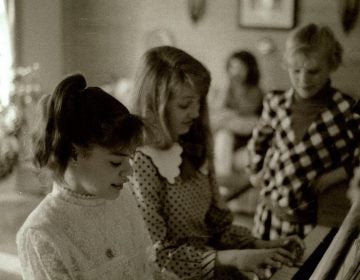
x=5 y=56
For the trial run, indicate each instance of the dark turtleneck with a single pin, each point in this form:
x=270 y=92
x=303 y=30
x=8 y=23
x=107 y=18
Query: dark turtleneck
x=305 y=110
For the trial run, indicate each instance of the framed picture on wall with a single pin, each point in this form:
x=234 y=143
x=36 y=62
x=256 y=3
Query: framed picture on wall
x=268 y=14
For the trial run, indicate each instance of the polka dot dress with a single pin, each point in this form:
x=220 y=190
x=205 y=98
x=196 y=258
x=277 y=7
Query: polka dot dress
x=183 y=220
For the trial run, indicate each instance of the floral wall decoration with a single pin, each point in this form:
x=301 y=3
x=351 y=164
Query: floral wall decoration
x=10 y=123
x=14 y=117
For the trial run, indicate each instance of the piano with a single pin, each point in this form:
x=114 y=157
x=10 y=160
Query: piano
x=331 y=253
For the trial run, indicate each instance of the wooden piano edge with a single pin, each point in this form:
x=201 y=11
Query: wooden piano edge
x=334 y=256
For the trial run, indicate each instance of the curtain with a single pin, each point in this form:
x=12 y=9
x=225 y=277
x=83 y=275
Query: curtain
x=7 y=48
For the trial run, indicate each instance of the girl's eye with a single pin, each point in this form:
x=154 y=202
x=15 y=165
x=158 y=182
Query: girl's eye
x=184 y=106
x=115 y=164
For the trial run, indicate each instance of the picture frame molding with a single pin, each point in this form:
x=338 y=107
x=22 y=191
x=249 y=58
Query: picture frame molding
x=287 y=25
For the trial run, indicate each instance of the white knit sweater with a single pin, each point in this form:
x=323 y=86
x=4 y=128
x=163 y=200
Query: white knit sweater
x=75 y=237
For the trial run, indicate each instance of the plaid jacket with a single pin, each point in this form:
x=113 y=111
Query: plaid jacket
x=289 y=168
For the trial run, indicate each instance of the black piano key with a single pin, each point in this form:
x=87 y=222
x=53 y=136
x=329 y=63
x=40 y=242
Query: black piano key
x=309 y=266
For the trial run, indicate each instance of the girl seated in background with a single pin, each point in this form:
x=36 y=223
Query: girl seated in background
x=173 y=177
x=238 y=113
x=306 y=138
x=89 y=226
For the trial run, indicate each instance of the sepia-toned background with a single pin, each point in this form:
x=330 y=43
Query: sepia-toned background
x=104 y=40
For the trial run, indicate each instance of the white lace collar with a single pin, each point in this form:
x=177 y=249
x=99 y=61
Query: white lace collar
x=168 y=161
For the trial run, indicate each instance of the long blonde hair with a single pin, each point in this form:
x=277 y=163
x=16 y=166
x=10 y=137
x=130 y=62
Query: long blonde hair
x=163 y=70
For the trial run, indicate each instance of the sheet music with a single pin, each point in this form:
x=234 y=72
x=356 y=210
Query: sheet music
x=311 y=242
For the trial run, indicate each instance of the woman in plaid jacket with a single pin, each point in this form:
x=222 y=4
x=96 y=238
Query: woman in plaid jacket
x=306 y=140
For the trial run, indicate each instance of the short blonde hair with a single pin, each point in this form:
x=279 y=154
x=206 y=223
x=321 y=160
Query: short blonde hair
x=314 y=38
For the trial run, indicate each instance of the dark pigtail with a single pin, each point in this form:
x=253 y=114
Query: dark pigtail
x=58 y=113
x=76 y=115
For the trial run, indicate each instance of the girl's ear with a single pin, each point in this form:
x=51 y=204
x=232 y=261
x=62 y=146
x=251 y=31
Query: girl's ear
x=79 y=151
x=74 y=153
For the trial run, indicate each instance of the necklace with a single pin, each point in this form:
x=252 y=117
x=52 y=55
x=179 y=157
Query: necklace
x=77 y=195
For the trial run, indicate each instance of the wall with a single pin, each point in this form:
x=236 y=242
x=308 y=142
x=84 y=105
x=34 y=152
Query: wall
x=117 y=33
x=214 y=37
x=100 y=37
x=39 y=39
x=218 y=34
x=105 y=39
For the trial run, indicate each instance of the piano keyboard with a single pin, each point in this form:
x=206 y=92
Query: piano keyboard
x=316 y=244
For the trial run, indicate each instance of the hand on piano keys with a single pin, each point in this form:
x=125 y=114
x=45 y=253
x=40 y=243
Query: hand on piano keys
x=256 y=260
x=295 y=247
x=293 y=244
x=327 y=248
x=316 y=243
